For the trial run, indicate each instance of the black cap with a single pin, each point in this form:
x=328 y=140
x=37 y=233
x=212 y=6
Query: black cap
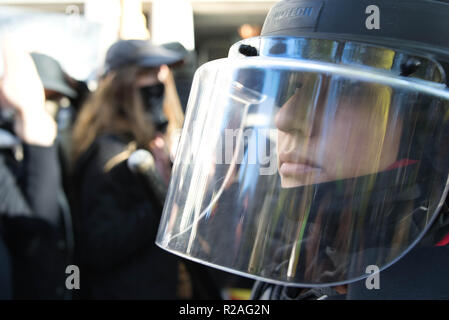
x=421 y=25
x=140 y=53
x=52 y=75
x=176 y=47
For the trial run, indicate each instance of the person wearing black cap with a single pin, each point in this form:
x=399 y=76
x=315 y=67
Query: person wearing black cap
x=29 y=180
x=58 y=85
x=352 y=102
x=116 y=212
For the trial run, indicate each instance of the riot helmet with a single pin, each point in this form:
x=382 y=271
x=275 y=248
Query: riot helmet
x=313 y=151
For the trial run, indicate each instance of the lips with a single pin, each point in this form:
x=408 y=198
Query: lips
x=294 y=165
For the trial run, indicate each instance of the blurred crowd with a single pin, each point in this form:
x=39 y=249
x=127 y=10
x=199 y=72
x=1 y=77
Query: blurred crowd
x=84 y=174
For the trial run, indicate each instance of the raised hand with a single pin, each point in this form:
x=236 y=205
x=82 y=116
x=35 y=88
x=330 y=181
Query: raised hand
x=21 y=90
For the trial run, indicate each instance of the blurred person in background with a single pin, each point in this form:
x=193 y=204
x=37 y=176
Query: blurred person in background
x=64 y=96
x=34 y=251
x=116 y=210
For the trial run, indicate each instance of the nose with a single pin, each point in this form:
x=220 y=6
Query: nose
x=297 y=115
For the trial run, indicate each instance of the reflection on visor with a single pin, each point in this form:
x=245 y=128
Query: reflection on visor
x=305 y=175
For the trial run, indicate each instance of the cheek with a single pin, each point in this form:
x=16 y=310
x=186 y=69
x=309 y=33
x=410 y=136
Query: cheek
x=348 y=147
x=286 y=142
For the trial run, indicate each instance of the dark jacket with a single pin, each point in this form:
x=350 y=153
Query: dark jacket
x=116 y=221
x=30 y=224
x=421 y=274
x=5 y=272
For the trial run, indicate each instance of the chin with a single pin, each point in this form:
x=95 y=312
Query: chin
x=293 y=182
x=299 y=181
x=288 y=183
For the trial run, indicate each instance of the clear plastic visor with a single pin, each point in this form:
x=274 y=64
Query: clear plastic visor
x=305 y=173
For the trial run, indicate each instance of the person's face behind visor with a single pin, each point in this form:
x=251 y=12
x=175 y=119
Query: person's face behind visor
x=336 y=132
